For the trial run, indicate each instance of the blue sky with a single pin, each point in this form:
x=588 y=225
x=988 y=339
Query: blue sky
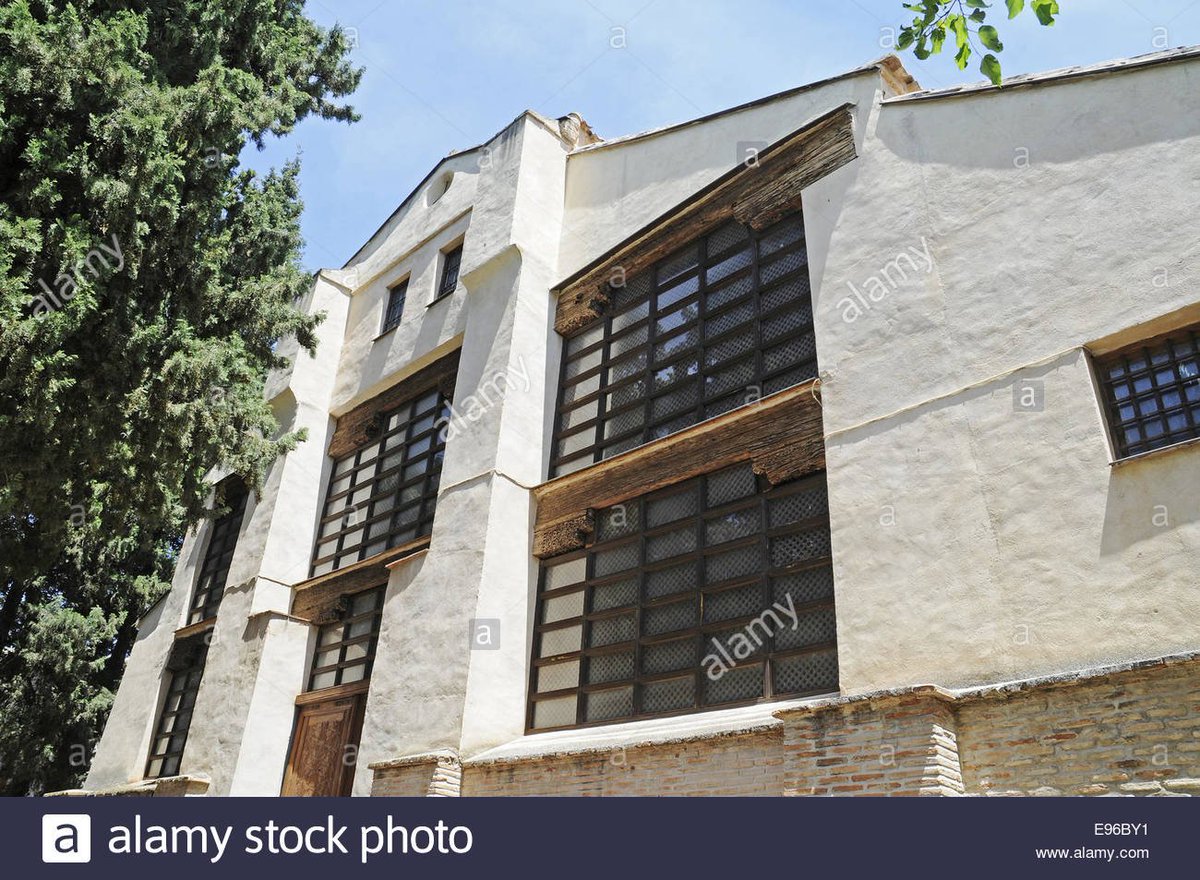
x=444 y=76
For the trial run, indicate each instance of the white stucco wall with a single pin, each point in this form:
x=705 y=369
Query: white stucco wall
x=1016 y=549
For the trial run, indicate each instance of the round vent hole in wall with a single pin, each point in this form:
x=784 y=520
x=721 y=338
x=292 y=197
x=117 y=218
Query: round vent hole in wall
x=438 y=188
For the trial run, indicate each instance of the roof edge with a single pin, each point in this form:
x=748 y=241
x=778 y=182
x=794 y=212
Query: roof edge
x=1054 y=77
x=544 y=122
x=889 y=67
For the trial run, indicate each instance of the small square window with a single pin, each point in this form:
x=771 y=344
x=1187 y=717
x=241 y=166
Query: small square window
x=395 y=306
x=451 y=260
x=1152 y=392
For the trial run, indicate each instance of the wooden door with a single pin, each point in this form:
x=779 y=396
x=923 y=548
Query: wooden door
x=324 y=747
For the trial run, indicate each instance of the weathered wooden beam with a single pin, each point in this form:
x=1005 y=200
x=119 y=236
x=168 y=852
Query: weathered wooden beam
x=781 y=436
x=316 y=599
x=783 y=177
x=756 y=193
x=361 y=424
x=566 y=535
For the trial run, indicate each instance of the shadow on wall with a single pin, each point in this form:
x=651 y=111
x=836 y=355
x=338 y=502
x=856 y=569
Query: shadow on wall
x=1120 y=112
x=822 y=209
x=1150 y=498
x=284 y=407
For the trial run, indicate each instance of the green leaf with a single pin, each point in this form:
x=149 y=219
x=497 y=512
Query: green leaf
x=937 y=37
x=958 y=25
x=978 y=15
x=990 y=38
x=1015 y=7
x=906 y=38
x=963 y=56
x=978 y=4
x=990 y=67
x=1045 y=10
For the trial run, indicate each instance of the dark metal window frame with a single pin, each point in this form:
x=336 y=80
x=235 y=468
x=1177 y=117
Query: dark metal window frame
x=1152 y=392
x=451 y=263
x=397 y=294
x=170 y=733
x=762 y=500
x=218 y=555
x=368 y=469
x=347 y=640
x=614 y=341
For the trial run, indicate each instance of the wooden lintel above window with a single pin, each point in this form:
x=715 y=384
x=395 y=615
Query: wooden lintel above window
x=195 y=629
x=314 y=599
x=756 y=193
x=782 y=435
x=361 y=424
x=338 y=692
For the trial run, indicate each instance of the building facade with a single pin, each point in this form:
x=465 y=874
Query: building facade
x=844 y=442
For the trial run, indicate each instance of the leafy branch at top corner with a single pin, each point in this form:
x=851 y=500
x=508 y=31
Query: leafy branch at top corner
x=965 y=21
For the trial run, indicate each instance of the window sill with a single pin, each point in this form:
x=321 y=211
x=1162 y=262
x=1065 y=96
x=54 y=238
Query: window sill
x=387 y=332
x=646 y=732
x=192 y=629
x=379 y=560
x=1154 y=453
x=440 y=298
x=184 y=785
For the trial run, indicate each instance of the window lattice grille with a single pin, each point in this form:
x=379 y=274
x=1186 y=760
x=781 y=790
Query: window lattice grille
x=712 y=569
x=451 y=261
x=1152 y=392
x=346 y=649
x=395 y=306
x=170 y=735
x=716 y=325
x=214 y=571
x=383 y=494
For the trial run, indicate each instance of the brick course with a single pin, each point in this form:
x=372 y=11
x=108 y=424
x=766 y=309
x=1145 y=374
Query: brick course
x=749 y=764
x=1131 y=730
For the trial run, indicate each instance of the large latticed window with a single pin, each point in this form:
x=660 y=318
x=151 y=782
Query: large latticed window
x=346 y=649
x=170 y=735
x=711 y=593
x=718 y=324
x=383 y=494
x=214 y=571
x=1152 y=392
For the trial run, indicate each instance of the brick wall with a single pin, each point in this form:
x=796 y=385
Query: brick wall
x=438 y=774
x=896 y=745
x=749 y=764
x=1132 y=730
